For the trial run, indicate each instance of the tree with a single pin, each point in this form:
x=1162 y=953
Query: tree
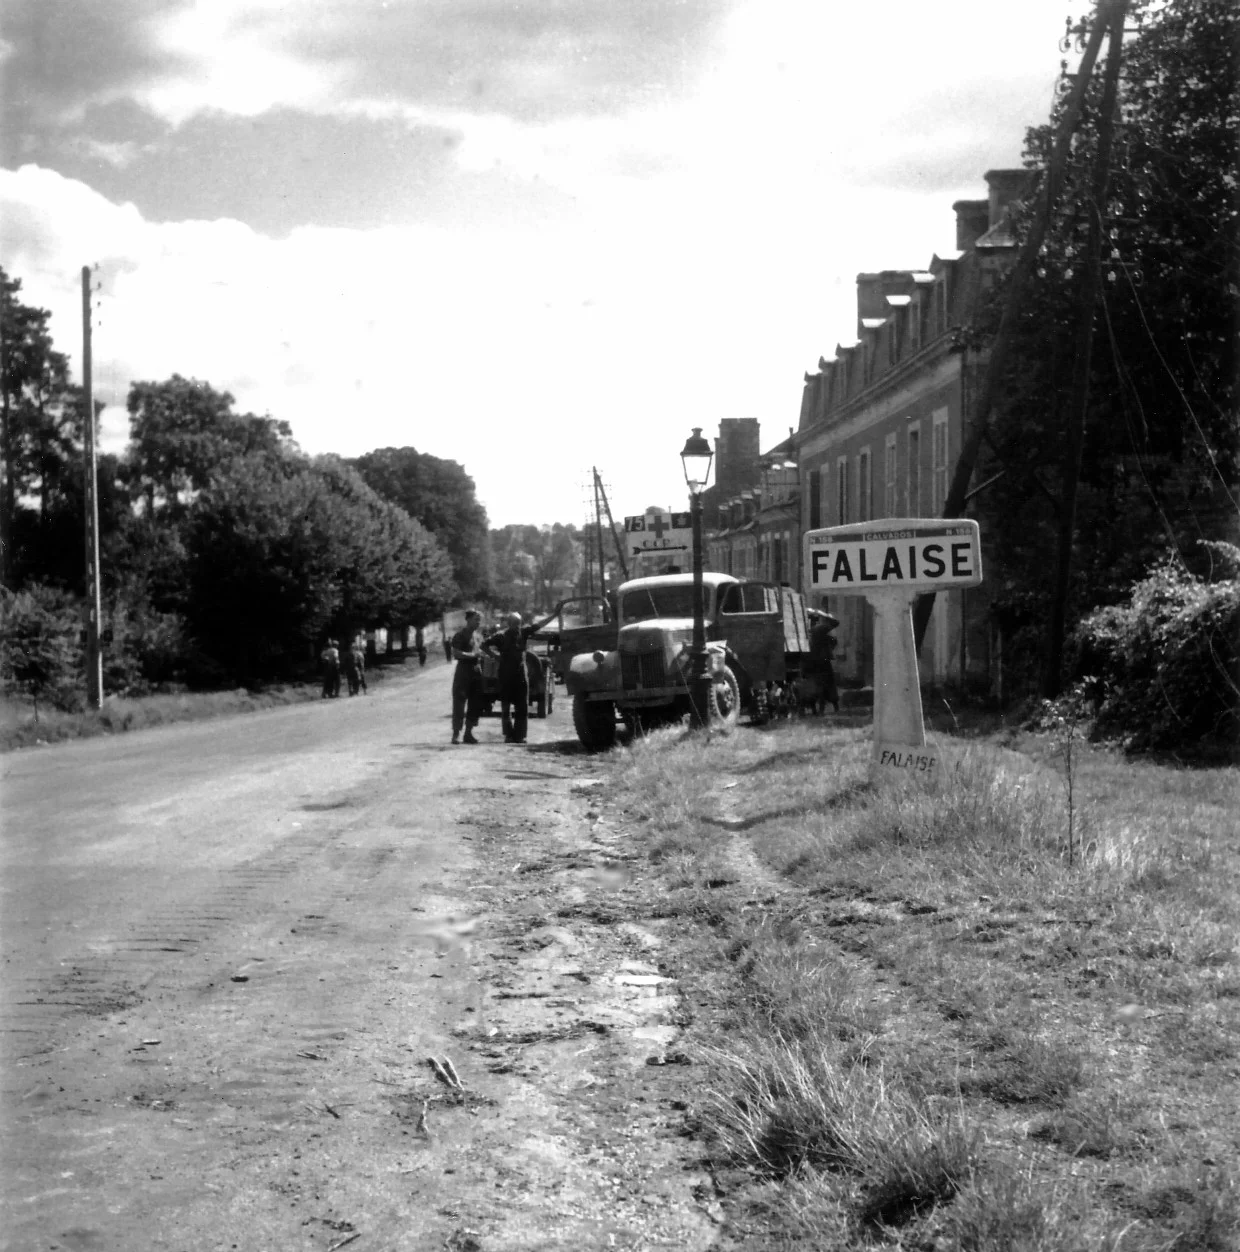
x=440 y=495
x=282 y=551
x=183 y=431
x=534 y=566
x=1159 y=461
x=40 y=432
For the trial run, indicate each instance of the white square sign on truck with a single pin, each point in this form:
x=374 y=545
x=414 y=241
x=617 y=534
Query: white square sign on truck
x=891 y=562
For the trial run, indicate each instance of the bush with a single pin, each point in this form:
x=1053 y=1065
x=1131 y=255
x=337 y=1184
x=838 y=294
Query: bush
x=147 y=650
x=1168 y=661
x=40 y=649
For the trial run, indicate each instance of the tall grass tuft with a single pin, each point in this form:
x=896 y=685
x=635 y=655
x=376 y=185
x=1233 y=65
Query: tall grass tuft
x=785 y=1109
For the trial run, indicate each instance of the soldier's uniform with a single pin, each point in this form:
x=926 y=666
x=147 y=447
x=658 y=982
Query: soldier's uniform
x=357 y=674
x=820 y=669
x=466 y=682
x=514 y=679
x=331 y=670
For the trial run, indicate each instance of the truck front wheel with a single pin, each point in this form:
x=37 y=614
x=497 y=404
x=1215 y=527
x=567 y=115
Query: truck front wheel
x=725 y=699
x=594 y=721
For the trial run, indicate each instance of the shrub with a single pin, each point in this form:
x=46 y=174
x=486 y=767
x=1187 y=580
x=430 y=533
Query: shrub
x=1169 y=659
x=40 y=652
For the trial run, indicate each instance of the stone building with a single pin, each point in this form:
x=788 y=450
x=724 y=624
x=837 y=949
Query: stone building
x=736 y=466
x=759 y=529
x=881 y=421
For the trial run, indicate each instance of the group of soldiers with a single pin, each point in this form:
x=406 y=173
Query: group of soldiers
x=352 y=661
x=468 y=647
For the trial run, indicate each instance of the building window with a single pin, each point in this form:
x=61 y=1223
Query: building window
x=889 y=476
x=912 y=471
x=815 y=499
x=841 y=491
x=864 y=486
x=939 y=460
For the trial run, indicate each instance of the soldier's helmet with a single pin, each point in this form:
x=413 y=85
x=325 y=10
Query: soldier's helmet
x=514 y=619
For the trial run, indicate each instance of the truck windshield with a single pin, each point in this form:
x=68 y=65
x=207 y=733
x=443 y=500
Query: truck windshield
x=643 y=603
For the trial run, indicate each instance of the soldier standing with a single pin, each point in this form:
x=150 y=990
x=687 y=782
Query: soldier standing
x=514 y=676
x=330 y=657
x=357 y=679
x=514 y=681
x=467 y=680
x=822 y=643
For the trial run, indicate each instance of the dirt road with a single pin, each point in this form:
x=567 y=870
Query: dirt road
x=231 y=948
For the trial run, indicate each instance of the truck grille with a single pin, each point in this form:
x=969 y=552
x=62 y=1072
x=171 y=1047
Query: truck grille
x=644 y=669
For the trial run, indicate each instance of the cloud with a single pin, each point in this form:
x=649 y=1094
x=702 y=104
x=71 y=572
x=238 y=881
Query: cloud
x=244 y=57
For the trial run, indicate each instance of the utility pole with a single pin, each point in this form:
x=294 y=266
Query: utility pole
x=1026 y=263
x=1086 y=310
x=94 y=660
x=598 y=526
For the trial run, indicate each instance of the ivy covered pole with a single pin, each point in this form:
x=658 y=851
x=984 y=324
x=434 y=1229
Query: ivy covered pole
x=1086 y=311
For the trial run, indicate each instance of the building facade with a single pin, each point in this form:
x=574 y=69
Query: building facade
x=758 y=531
x=881 y=422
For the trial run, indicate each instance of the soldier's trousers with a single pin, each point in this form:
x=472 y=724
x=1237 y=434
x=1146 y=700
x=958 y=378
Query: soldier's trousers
x=466 y=697
x=514 y=704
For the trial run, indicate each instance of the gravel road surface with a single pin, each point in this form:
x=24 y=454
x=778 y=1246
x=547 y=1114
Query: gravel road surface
x=231 y=949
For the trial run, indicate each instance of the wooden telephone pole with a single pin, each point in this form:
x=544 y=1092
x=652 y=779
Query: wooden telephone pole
x=94 y=658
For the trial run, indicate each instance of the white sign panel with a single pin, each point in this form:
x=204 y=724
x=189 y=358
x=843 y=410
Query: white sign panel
x=658 y=532
x=894 y=554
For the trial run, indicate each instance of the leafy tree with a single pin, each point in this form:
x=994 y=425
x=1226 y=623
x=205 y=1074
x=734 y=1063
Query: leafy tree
x=535 y=566
x=40 y=432
x=1160 y=462
x=440 y=495
x=282 y=550
x=183 y=431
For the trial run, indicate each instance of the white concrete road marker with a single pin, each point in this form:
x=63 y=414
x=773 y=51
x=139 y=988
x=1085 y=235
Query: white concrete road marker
x=891 y=562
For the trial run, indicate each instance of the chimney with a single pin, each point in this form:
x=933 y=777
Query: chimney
x=1005 y=186
x=870 y=301
x=972 y=221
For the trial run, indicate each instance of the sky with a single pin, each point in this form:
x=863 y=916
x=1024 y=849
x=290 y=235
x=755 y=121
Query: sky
x=530 y=236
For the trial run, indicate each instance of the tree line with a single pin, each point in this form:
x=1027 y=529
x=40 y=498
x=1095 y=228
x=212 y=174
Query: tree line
x=227 y=553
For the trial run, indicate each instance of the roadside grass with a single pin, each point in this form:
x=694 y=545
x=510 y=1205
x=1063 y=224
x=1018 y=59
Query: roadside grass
x=922 y=1024
x=20 y=729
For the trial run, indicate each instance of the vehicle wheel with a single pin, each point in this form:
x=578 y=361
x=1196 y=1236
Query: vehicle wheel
x=540 y=706
x=594 y=721
x=725 y=699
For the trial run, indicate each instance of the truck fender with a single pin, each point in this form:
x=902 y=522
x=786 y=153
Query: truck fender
x=742 y=674
x=593 y=671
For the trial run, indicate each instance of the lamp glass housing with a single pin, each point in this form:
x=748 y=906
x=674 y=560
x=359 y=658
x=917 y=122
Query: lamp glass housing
x=696 y=458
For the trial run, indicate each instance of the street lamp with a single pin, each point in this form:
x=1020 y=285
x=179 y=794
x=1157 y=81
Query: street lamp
x=696 y=459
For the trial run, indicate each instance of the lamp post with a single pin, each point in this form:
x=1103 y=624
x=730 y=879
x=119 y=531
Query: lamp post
x=696 y=458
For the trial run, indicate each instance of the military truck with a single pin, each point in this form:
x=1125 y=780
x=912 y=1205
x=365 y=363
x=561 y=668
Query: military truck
x=756 y=634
